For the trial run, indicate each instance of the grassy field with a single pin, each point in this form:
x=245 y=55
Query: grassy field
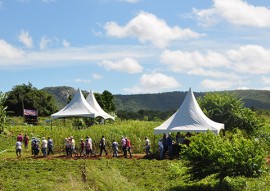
x=101 y=173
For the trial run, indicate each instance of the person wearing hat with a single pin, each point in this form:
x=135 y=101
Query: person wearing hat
x=147 y=146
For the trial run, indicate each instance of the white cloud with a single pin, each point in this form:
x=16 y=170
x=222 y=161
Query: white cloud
x=7 y=51
x=130 y=1
x=65 y=43
x=11 y=56
x=26 y=39
x=265 y=80
x=47 y=42
x=209 y=73
x=251 y=59
x=179 y=61
x=155 y=82
x=216 y=85
x=237 y=12
x=128 y=65
x=147 y=27
x=82 y=81
x=44 y=42
x=97 y=76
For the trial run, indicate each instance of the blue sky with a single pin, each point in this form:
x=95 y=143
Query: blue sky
x=135 y=46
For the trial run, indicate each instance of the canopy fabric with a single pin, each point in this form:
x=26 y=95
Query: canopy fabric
x=189 y=118
x=77 y=107
x=91 y=100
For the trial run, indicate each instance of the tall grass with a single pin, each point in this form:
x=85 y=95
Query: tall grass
x=136 y=131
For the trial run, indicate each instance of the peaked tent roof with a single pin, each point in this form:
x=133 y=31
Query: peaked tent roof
x=77 y=107
x=94 y=104
x=189 y=118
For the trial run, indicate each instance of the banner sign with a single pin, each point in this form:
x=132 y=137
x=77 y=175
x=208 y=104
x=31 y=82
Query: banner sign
x=30 y=112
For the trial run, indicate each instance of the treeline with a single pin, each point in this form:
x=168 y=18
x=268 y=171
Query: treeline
x=144 y=115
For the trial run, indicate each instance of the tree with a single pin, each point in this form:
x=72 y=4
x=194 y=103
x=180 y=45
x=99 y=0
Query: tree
x=2 y=111
x=228 y=109
x=105 y=100
x=26 y=96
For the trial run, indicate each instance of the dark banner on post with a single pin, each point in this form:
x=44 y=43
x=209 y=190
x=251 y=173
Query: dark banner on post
x=30 y=112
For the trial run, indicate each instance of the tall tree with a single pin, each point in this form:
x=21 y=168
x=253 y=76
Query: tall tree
x=2 y=111
x=26 y=96
x=228 y=109
x=105 y=100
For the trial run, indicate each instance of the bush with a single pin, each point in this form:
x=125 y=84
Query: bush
x=209 y=154
x=232 y=184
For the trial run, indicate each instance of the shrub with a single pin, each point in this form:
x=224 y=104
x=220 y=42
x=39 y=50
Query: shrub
x=209 y=154
x=233 y=184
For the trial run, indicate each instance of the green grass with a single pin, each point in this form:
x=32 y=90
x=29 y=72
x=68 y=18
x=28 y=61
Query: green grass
x=120 y=174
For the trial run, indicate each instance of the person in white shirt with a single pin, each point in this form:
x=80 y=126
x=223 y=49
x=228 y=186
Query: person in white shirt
x=115 y=148
x=147 y=146
x=44 y=144
x=124 y=147
x=18 y=148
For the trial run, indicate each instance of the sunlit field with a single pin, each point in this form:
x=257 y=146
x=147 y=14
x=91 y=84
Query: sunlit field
x=99 y=173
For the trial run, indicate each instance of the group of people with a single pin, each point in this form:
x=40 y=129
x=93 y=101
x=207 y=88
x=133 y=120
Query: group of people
x=85 y=147
x=166 y=144
x=46 y=145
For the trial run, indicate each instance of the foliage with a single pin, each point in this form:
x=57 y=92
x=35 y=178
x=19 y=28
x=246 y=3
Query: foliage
x=237 y=156
x=2 y=111
x=106 y=101
x=233 y=184
x=26 y=96
x=145 y=115
x=228 y=109
x=106 y=174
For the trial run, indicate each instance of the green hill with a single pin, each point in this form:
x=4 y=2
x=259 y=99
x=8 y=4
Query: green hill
x=258 y=99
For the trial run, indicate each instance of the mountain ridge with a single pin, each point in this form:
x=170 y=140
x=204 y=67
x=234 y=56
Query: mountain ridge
x=256 y=99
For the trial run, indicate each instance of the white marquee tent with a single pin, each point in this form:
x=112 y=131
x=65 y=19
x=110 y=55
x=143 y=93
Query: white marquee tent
x=77 y=107
x=91 y=100
x=189 y=118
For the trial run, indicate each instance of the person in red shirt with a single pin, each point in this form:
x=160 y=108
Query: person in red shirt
x=20 y=137
x=26 y=141
x=82 y=150
x=128 y=147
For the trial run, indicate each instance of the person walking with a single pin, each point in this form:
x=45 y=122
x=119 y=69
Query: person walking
x=115 y=148
x=26 y=142
x=36 y=148
x=72 y=146
x=44 y=144
x=18 y=149
x=82 y=149
x=128 y=146
x=88 y=146
x=50 y=146
x=124 y=148
x=147 y=146
x=102 y=145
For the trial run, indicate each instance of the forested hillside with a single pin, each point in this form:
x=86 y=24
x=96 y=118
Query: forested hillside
x=258 y=99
